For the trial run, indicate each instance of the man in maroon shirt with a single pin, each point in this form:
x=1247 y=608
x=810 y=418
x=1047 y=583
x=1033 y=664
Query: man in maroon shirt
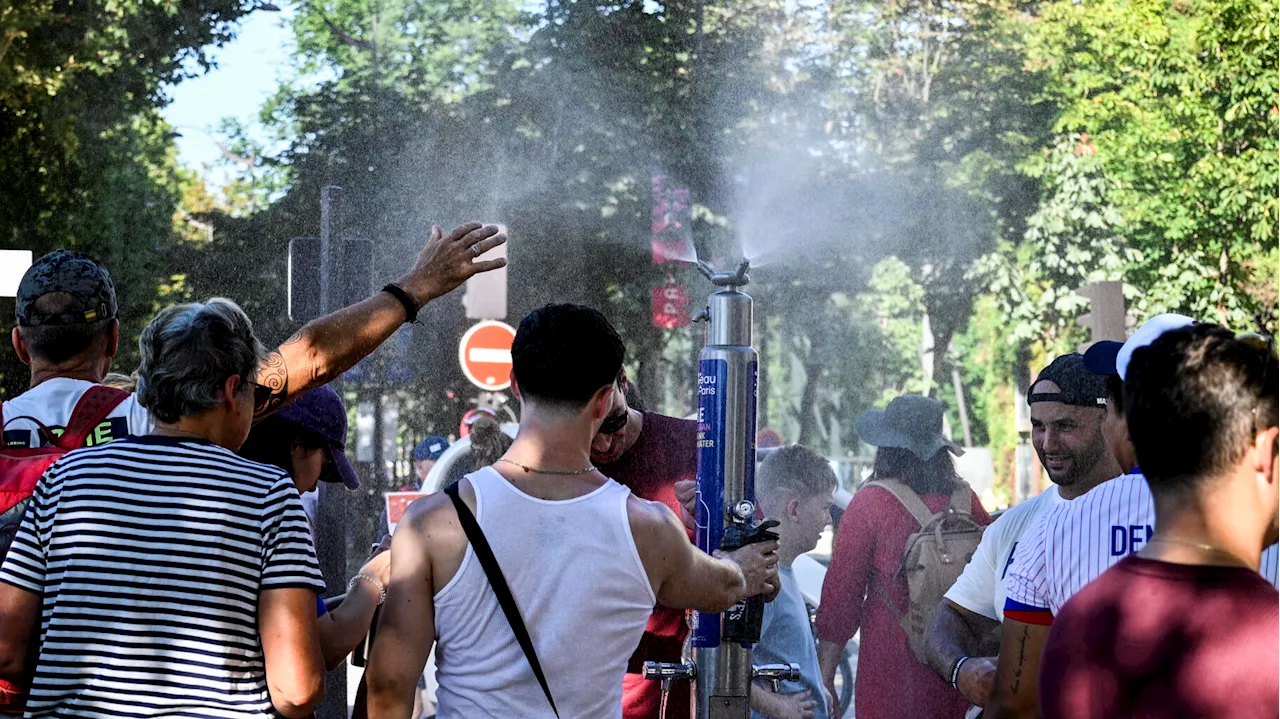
x=1187 y=627
x=649 y=453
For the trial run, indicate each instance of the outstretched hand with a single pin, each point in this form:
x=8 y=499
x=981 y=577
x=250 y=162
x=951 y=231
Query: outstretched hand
x=449 y=260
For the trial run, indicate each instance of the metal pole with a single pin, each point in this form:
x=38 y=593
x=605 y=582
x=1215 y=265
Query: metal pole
x=727 y=390
x=331 y=510
x=727 y=379
x=330 y=245
x=958 y=383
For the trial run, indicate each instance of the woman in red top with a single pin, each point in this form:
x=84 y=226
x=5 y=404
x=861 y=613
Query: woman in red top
x=891 y=683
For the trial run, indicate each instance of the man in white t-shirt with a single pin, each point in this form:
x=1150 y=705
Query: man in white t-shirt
x=68 y=333
x=1066 y=415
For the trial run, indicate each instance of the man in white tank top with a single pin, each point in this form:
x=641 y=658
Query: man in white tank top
x=585 y=559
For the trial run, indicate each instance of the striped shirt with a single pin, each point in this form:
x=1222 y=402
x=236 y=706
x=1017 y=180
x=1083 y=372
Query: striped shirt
x=150 y=553
x=1073 y=543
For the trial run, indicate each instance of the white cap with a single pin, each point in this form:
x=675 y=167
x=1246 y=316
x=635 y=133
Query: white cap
x=1149 y=332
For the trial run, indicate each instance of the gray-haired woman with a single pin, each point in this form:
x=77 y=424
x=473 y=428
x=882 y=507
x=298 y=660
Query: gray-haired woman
x=177 y=578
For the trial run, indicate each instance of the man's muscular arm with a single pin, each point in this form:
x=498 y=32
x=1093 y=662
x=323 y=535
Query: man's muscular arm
x=1014 y=695
x=406 y=630
x=683 y=576
x=686 y=495
x=326 y=347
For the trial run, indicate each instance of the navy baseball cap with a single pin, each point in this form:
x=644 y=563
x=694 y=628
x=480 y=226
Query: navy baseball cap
x=430 y=448
x=1076 y=385
x=322 y=413
x=88 y=286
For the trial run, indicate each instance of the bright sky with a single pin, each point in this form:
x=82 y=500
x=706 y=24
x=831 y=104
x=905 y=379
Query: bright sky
x=248 y=70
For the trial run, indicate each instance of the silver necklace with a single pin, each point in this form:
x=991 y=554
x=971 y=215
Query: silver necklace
x=560 y=472
x=1197 y=545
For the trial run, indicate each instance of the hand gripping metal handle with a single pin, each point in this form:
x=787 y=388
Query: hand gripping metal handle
x=775 y=674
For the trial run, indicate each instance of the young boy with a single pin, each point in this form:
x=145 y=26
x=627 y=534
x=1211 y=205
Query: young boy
x=794 y=485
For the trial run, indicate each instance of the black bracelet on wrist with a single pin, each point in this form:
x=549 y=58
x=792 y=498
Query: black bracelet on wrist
x=955 y=671
x=410 y=307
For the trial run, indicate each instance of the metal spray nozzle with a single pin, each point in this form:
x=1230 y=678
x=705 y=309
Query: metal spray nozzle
x=737 y=278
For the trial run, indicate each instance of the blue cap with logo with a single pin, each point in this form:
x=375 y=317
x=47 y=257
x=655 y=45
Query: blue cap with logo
x=430 y=448
x=1111 y=357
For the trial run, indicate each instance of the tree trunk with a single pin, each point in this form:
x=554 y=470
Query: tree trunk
x=648 y=378
x=808 y=414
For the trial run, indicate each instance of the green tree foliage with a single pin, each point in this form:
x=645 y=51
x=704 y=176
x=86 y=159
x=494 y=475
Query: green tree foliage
x=1072 y=239
x=1179 y=97
x=87 y=162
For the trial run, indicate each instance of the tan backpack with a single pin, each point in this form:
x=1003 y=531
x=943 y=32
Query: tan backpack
x=934 y=557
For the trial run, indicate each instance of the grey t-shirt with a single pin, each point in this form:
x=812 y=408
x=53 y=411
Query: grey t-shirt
x=787 y=638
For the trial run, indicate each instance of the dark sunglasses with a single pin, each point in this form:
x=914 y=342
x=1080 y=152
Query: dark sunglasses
x=1265 y=343
x=262 y=394
x=614 y=422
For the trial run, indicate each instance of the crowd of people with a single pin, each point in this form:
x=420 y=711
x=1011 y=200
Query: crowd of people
x=162 y=562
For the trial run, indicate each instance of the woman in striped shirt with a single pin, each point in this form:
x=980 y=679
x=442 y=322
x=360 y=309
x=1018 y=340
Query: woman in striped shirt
x=167 y=575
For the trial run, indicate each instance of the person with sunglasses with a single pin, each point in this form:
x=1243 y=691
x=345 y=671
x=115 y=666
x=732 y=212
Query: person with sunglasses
x=649 y=453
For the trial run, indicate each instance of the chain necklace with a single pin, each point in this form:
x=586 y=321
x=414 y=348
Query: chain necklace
x=1198 y=545
x=559 y=472
x=179 y=433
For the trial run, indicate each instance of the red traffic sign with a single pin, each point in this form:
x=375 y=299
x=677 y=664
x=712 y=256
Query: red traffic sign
x=485 y=355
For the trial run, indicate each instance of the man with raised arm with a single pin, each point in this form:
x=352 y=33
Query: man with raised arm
x=67 y=332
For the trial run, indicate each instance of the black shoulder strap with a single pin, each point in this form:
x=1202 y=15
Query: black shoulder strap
x=499 y=583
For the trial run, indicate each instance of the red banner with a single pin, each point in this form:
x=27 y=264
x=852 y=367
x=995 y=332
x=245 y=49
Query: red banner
x=670 y=306
x=672 y=221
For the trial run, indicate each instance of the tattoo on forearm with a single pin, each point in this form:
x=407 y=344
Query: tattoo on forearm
x=273 y=376
x=1022 y=660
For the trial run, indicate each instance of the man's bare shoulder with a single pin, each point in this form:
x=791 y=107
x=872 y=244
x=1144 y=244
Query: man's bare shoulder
x=649 y=511
x=653 y=521
x=433 y=518
x=431 y=536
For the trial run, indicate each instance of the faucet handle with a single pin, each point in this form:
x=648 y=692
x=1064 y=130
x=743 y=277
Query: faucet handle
x=775 y=674
x=666 y=672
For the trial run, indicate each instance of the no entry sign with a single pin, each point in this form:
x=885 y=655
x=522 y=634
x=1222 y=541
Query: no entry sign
x=485 y=355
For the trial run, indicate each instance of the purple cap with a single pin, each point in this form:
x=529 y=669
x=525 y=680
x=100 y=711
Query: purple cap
x=322 y=413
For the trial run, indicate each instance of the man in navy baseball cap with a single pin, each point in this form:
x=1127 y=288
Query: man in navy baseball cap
x=426 y=454
x=321 y=413
x=1110 y=359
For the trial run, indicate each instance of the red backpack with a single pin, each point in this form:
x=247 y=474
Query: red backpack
x=20 y=470
x=22 y=467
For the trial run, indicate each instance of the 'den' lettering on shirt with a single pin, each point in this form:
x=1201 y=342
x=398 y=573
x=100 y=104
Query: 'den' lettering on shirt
x=1075 y=542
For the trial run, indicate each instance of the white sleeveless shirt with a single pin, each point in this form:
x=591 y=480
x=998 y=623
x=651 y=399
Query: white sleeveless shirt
x=574 y=570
